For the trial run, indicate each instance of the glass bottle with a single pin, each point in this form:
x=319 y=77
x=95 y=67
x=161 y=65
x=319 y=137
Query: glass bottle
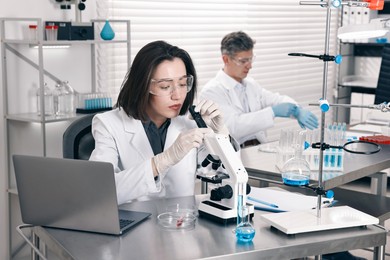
x=64 y=99
x=107 y=32
x=47 y=100
x=244 y=230
x=296 y=171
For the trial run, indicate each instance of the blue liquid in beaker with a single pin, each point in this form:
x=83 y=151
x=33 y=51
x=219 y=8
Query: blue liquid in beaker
x=294 y=179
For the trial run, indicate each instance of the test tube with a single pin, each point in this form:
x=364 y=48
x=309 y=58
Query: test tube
x=333 y=131
x=327 y=138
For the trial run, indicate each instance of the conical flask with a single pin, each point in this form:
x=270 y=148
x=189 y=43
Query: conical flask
x=107 y=32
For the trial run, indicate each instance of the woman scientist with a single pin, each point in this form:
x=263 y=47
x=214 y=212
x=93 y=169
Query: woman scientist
x=148 y=137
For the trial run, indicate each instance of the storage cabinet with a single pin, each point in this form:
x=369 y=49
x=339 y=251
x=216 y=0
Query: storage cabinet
x=362 y=60
x=27 y=64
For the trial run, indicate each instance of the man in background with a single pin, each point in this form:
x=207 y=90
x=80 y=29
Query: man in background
x=248 y=108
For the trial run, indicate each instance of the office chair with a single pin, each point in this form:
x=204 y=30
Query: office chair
x=77 y=141
x=382 y=92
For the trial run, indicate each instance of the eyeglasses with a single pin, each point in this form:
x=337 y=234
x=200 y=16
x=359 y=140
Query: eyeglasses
x=165 y=87
x=243 y=61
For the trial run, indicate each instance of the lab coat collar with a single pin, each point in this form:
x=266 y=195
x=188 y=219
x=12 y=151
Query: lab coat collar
x=229 y=84
x=174 y=129
x=130 y=124
x=136 y=135
x=138 y=138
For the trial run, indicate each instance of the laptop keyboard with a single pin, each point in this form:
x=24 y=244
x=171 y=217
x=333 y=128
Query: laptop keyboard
x=124 y=222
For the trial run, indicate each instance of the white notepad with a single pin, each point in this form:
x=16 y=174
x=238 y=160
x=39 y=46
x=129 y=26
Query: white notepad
x=285 y=200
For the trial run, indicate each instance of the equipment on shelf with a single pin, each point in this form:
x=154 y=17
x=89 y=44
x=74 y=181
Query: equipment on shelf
x=73 y=31
x=67 y=5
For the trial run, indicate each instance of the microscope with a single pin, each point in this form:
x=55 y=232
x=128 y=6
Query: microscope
x=74 y=30
x=224 y=200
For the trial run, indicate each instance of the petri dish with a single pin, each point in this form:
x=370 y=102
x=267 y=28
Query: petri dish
x=183 y=208
x=179 y=220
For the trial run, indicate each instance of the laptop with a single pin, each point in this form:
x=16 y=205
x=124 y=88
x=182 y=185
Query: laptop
x=71 y=194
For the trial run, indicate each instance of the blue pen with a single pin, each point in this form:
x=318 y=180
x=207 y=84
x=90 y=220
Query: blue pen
x=262 y=202
x=332 y=203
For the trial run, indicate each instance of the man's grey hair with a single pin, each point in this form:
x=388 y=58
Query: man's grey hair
x=236 y=42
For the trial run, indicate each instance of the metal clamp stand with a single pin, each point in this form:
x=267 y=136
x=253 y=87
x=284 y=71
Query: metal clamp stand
x=326 y=58
x=300 y=222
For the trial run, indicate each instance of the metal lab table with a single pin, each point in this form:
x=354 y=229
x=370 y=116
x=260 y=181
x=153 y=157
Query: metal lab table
x=261 y=165
x=208 y=240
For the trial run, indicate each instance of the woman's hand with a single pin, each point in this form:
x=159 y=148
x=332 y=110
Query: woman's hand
x=186 y=141
x=212 y=116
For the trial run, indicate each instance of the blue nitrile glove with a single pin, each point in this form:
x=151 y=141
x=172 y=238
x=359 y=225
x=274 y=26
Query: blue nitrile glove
x=284 y=109
x=306 y=119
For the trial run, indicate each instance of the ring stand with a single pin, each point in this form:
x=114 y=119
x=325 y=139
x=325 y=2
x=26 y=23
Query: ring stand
x=320 y=219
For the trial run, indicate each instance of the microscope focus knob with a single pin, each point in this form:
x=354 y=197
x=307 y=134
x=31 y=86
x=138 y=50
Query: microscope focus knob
x=248 y=189
x=224 y=192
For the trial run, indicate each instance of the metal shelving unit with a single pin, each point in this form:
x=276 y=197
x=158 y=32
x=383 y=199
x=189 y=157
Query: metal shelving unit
x=10 y=46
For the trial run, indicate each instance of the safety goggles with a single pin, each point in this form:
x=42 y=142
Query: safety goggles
x=165 y=87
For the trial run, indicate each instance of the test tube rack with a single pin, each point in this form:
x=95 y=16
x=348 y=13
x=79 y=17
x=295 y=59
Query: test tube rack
x=93 y=102
x=333 y=158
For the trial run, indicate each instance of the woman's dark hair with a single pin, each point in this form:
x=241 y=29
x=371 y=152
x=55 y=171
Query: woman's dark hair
x=134 y=95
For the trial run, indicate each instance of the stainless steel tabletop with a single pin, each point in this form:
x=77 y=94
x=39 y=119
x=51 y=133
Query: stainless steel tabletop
x=262 y=164
x=208 y=240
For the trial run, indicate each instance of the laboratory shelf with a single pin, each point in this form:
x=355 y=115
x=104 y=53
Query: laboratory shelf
x=366 y=49
x=44 y=140
x=35 y=118
x=13 y=191
x=60 y=42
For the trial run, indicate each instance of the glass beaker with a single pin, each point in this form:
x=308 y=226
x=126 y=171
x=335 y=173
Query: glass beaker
x=244 y=230
x=47 y=100
x=296 y=171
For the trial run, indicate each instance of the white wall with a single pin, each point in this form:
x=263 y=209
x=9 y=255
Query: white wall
x=47 y=10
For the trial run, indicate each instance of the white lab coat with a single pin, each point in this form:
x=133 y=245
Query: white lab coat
x=243 y=126
x=122 y=140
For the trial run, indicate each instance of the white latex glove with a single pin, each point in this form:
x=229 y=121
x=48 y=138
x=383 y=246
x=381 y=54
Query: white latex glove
x=186 y=141
x=212 y=116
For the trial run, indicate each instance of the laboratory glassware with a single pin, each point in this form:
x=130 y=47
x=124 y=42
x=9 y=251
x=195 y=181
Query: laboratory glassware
x=47 y=100
x=296 y=171
x=244 y=230
x=107 y=32
x=64 y=99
